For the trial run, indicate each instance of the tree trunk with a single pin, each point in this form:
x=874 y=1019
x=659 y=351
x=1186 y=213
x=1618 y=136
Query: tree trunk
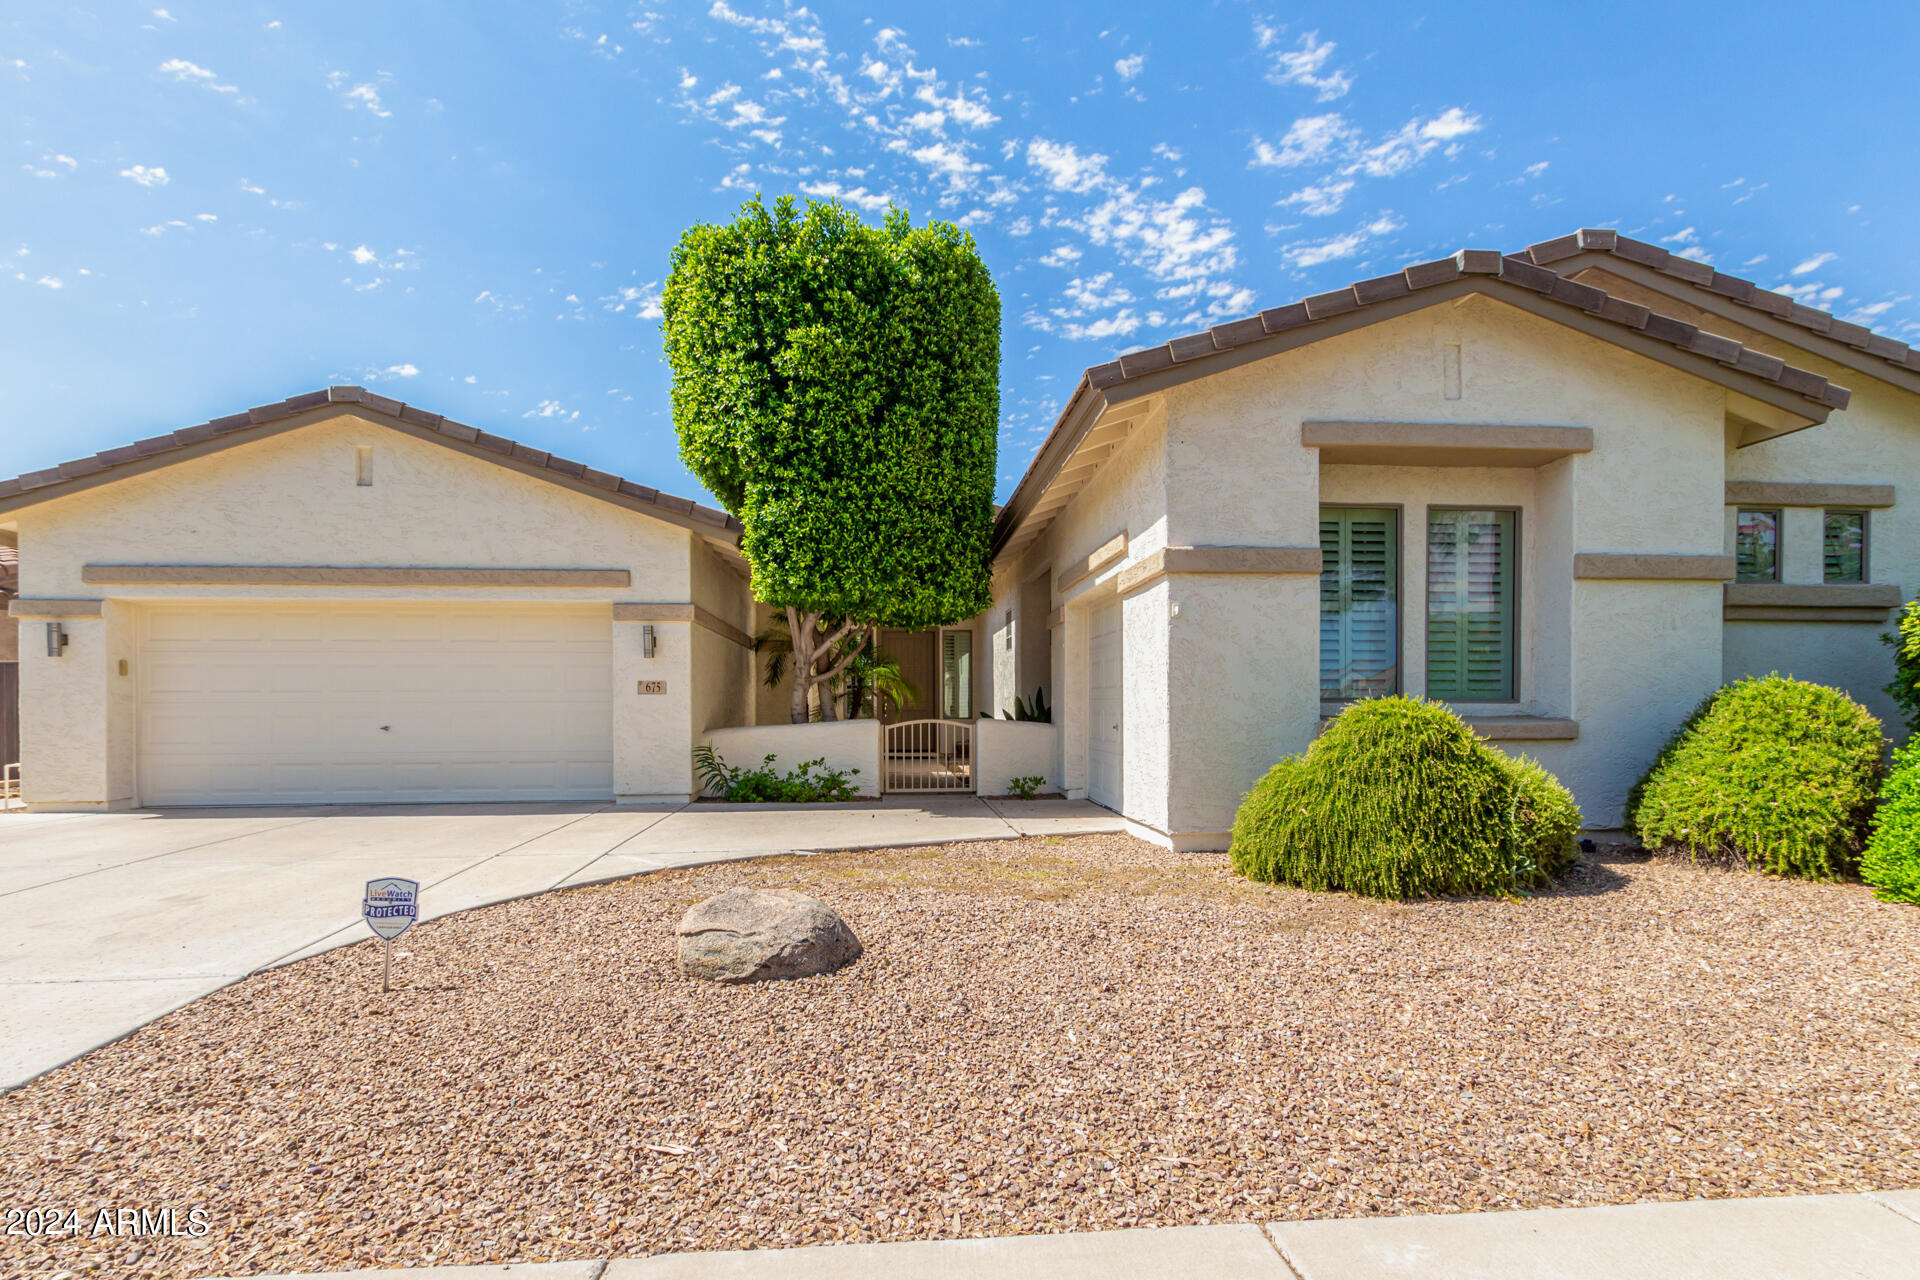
x=800 y=627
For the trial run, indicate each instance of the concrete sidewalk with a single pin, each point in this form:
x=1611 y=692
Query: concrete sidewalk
x=115 y=919
x=1848 y=1237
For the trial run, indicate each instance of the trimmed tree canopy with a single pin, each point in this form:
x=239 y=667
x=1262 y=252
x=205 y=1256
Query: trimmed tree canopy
x=837 y=387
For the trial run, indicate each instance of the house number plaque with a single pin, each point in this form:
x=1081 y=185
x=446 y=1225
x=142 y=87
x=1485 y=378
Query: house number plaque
x=653 y=686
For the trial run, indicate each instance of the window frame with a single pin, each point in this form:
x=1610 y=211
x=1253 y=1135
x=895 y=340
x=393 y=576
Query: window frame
x=1399 y=595
x=1517 y=695
x=1866 y=545
x=1779 y=515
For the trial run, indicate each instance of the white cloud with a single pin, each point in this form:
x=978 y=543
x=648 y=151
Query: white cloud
x=1535 y=169
x=1412 y=143
x=1166 y=151
x=858 y=197
x=1685 y=235
x=1307 y=139
x=164 y=16
x=365 y=95
x=189 y=73
x=1131 y=66
x=1814 y=263
x=1695 y=252
x=1304 y=254
x=642 y=300
x=1062 y=256
x=1304 y=64
x=154 y=177
x=364 y=255
x=402 y=371
x=1064 y=167
x=552 y=409
x=1871 y=312
x=1317 y=200
x=50 y=282
x=1117 y=325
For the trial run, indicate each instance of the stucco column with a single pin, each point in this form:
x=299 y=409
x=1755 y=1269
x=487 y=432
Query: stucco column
x=652 y=732
x=76 y=709
x=1070 y=706
x=1245 y=691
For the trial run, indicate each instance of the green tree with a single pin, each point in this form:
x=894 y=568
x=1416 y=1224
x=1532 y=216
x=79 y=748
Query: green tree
x=836 y=386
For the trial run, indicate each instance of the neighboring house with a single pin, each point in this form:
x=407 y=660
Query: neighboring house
x=1569 y=491
x=9 y=660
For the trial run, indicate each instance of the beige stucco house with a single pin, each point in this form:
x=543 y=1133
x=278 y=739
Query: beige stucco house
x=1570 y=491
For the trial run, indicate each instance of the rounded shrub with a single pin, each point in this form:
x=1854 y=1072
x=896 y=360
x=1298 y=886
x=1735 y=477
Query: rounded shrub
x=1398 y=798
x=1892 y=861
x=1769 y=773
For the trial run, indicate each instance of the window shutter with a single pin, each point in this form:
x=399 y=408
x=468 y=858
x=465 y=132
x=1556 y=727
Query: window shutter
x=956 y=675
x=1359 y=625
x=1470 y=624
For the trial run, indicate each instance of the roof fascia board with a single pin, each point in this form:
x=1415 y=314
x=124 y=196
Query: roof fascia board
x=1741 y=314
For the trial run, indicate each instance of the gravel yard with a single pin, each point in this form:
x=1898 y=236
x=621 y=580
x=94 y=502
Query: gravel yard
x=1043 y=1035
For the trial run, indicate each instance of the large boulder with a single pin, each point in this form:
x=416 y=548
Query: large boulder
x=754 y=935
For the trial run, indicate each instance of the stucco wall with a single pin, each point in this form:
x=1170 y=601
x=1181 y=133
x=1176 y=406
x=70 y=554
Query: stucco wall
x=1218 y=692
x=1874 y=440
x=1006 y=749
x=292 y=499
x=844 y=744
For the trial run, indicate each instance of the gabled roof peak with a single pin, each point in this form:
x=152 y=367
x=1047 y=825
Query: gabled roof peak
x=144 y=455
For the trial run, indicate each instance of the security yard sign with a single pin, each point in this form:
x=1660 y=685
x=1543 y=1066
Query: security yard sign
x=391 y=906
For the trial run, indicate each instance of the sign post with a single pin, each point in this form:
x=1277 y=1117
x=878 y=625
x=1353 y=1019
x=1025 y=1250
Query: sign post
x=390 y=908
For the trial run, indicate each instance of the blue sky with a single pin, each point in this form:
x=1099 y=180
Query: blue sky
x=470 y=205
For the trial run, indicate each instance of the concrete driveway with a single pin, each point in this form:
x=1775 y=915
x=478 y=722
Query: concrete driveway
x=111 y=920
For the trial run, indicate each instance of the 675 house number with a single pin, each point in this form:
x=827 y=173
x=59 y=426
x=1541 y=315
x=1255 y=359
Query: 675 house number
x=131 y=1223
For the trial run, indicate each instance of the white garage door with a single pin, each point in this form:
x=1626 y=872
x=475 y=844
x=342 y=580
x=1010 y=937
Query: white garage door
x=350 y=703
x=1106 y=735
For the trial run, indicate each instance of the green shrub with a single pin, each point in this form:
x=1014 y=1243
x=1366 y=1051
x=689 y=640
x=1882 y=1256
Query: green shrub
x=1770 y=773
x=1026 y=786
x=1398 y=799
x=809 y=781
x=1892 y=861
x=1905 y=642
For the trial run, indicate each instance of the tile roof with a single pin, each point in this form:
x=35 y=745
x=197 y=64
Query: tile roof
x=1745 y=292
x=1470 y=262
x=17 y=491
x=1467 y=265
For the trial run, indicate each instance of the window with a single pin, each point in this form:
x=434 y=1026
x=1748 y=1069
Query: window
x=1470 y=613
x=1359 y=601
x=956 y=675
x=1844 y=549
x=1756 y=546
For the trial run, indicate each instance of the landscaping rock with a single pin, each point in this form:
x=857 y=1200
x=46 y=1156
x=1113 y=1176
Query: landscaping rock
x=756 y=935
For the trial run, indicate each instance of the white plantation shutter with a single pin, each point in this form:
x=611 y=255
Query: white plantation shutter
x=1470 y=623
x=956 y=675
x=1359 y=611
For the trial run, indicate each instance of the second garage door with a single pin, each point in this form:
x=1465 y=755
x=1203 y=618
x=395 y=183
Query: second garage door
x=307 y=703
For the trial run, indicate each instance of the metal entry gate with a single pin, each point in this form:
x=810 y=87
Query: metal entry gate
x=929 y=755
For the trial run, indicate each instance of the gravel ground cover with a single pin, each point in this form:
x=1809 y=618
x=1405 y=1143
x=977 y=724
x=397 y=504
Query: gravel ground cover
x=1043 y=1035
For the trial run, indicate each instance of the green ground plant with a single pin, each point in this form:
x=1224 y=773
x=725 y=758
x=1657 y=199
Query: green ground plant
x=1769 y=773
x=1398 y=798
x=1891 y=863
x=1026 y=786
x=808 y=782
x=1904 y=639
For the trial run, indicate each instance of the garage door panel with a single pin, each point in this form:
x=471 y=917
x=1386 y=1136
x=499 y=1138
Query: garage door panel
x=285 y=704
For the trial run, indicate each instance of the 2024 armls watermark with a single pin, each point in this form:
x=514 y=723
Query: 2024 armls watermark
x=107 y=1221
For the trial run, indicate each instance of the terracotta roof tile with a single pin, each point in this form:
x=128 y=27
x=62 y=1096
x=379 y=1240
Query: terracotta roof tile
x=154 y=446
x=1523 y=271
x=1740 y=290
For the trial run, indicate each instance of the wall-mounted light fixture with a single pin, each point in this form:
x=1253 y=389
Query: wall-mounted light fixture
x=646 y=641
x=56 y=639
